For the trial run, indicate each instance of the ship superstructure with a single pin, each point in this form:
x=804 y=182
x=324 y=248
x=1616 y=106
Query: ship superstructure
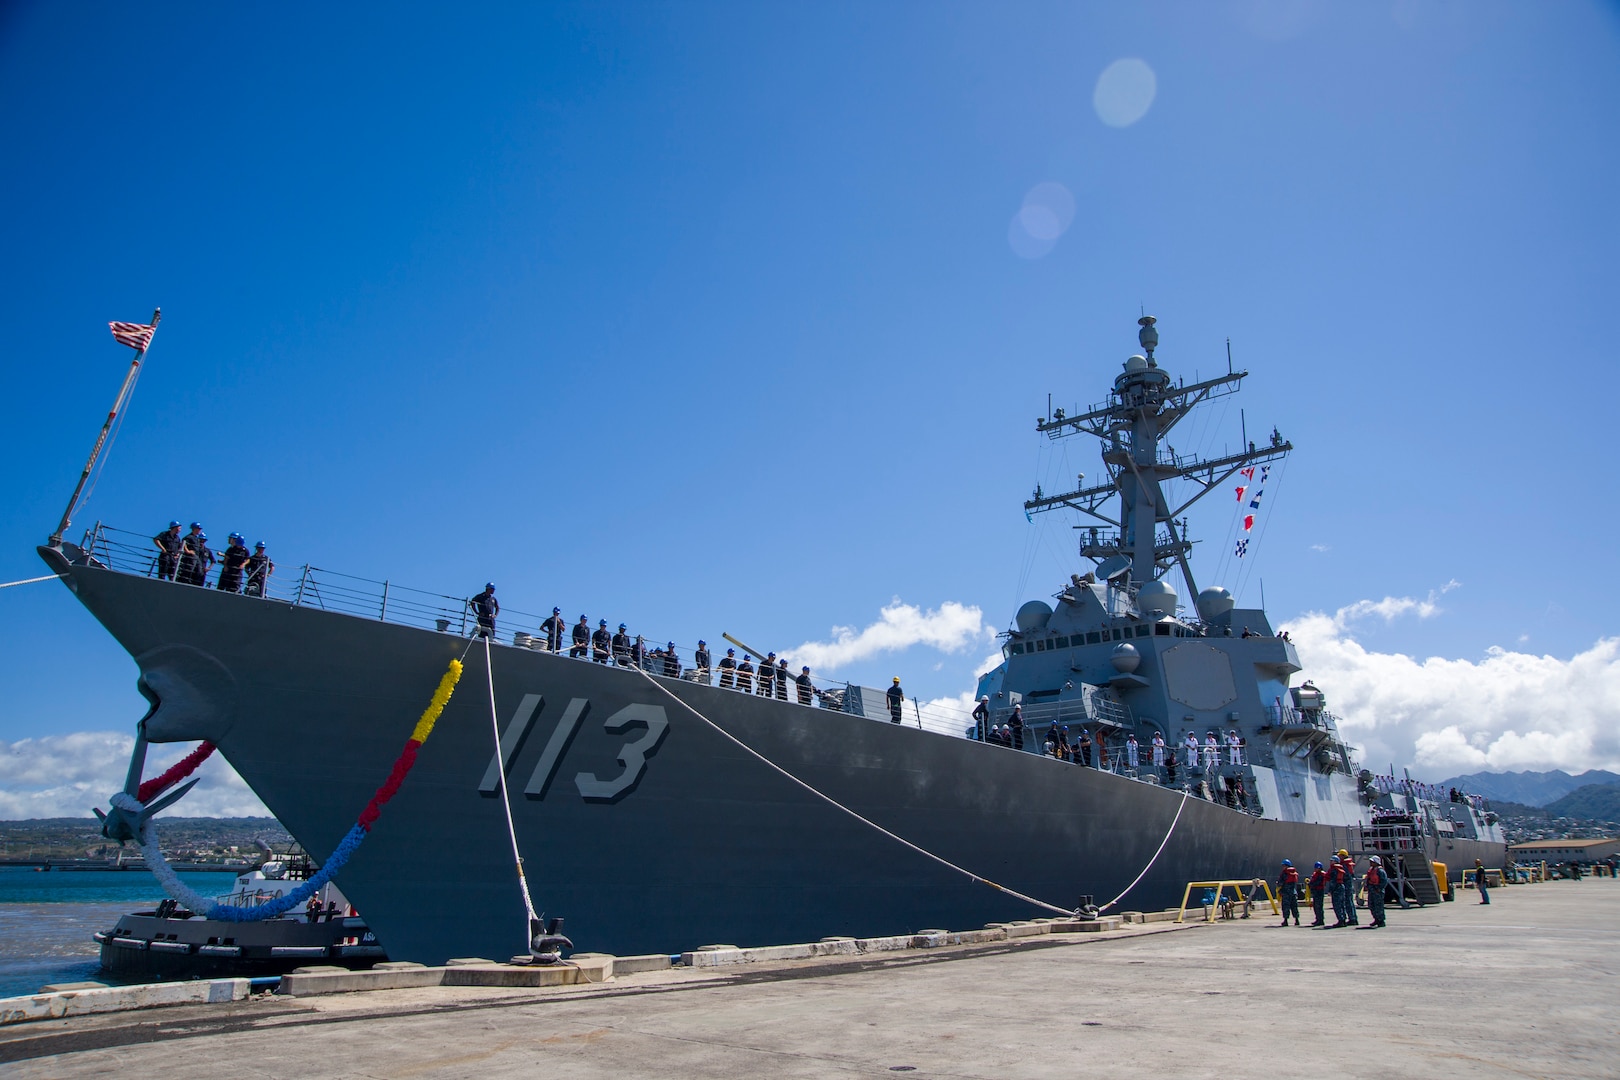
x=1119 y=655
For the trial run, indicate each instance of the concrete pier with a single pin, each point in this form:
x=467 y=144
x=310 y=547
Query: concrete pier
x=1528 y=986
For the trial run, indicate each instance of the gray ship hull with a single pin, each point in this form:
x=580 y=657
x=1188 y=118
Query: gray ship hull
x=639 y=822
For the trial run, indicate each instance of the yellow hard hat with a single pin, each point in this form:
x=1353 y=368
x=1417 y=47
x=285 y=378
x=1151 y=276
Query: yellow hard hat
x=1343 y=853
x=897 y=678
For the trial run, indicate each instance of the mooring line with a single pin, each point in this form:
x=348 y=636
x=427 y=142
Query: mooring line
x=854 y=814
x=30 y=581
x=506 y=800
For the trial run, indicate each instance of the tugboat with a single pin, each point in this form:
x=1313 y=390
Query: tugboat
x=171 y=942
x=662 y=812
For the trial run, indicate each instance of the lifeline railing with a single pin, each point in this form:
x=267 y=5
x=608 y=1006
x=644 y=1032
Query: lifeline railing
x=329 y=590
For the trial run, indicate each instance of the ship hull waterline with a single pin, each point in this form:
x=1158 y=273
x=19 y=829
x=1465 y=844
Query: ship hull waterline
x=638 y=821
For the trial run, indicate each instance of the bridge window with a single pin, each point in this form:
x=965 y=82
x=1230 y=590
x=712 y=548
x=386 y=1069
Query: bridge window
x=1093 y=637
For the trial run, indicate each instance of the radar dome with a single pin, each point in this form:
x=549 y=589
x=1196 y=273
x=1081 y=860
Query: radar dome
x=1156 y=598
x=1125 y=658
x=1213 y=603
x=1033 y=616
x=1136 y=363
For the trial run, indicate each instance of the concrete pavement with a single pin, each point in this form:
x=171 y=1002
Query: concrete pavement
x=1524 y=987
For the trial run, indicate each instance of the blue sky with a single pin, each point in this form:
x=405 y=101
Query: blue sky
x=707 y=317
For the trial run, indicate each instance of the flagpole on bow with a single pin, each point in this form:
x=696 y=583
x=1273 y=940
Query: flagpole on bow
x=101 y=440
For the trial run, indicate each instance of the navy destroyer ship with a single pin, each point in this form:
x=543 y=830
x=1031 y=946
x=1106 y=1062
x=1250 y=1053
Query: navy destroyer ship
x=659 y=812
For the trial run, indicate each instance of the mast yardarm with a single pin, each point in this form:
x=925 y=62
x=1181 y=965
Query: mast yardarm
x=1143 y=408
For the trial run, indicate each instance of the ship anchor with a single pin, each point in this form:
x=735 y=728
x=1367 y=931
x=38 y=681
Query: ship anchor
x=124 y=825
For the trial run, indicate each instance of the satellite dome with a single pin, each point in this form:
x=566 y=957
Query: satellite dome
x=1137 y=362
x=1213 y=603
x=1156 y=598
x=1125 y=658
x=1033 y=616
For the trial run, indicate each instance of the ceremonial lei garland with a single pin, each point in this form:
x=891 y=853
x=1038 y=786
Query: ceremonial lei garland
x=340 y=855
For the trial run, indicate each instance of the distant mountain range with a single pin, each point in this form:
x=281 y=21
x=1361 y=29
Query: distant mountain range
x=1532 y=788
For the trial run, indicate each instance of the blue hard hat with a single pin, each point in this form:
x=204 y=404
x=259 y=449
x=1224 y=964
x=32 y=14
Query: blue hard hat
x=235 y=536
x=259 y=544
x=1288 y=862
x=1319 y=866
x=601 y=622
x=489 y=584
x=196 y=524
x=202 y=536
x=174 y=524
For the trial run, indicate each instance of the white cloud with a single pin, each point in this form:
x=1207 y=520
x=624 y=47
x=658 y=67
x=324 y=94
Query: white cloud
x=66 y=775
x=1321 y=547
x=1507 y=711
x=949 y=628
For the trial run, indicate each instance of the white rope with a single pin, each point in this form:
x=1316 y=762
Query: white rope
x=1179 y=808
x=840 y=806
x=30 y=581
x=506 y=801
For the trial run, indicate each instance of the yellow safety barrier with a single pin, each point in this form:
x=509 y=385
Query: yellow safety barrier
x=1442 y=877
x=1236 y=885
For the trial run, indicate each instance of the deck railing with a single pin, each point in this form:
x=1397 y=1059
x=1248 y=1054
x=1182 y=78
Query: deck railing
x=330 y=590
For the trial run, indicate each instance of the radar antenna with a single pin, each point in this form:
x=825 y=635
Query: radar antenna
x=1144 y=406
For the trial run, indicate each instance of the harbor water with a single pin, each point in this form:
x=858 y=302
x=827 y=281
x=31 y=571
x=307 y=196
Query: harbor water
x=47 y=919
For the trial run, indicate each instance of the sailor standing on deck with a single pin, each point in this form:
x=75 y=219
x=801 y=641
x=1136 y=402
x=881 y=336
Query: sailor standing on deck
x=767 y=675
x=621 y=647
x=259 y=569
x=1234 y=749
x=1319 y=884
x=601 y=643
x=745 y=674
x=486 y=607
x=781 y=679
x=1190 y=750
x=582 y=638
x=168 y=544
x=897 y=698
x=672 y=662
x=553 y=629
x=1158 y=749
x=981 y=717
x=195 y=557
x=1212 y=751
x=807 y=689
x=1131 y=751
x=728 y=669
x=232 y=563
x=1014 y=727
x=701 y=661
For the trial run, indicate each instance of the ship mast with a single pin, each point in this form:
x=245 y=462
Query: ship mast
x=1144 y=406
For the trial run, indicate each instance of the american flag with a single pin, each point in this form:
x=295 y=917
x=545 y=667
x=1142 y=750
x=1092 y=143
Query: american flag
x=135 y=335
